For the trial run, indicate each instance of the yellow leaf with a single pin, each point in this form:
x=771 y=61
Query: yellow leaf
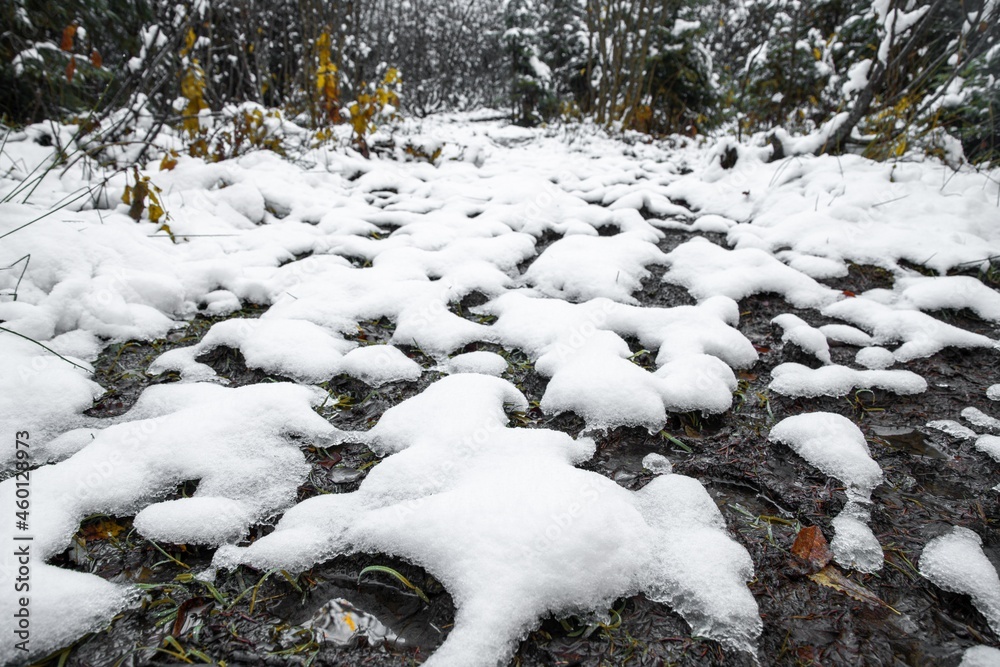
x=831 y=577
x=127 y=195
x=155 y=212
x=168 y=162
x=189 y=41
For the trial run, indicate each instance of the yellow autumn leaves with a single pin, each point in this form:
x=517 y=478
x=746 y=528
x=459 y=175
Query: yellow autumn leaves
x=363 y=111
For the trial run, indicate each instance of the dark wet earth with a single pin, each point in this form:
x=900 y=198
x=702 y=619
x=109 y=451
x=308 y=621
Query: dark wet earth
x=766 y=494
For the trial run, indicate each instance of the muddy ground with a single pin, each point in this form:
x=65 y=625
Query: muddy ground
x=765 y=492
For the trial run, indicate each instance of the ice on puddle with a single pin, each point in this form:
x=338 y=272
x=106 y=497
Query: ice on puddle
x=955 y=562
x=798 y=331
x=977 y=417
x=854 y=545
x=952 y=428
x=989 y=445
x=835 y=445
x=980 y=656
x=792 y=379
x=513 y=530
x=480 y=361
x=340 y=622
x=657 y=464
x=874 y=358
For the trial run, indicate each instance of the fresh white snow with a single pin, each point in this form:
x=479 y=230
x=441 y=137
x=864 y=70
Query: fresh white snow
x=955 y=562
x=504 y=517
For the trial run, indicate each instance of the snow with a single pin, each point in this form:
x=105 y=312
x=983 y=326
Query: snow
x=657 y=464
x=792 y=379
x=233 y=440
x=555 y=238
x=833 y=444
x=857 y=77
x=844 y=333
x=980 y=656
x=854 y=544
x=874 y=358
x=836 y=446
x=978 y=418
x=951 y=292
x=801 y=333
x=471 y=501
x=990 y=445
x=580 y=268
x=486 y=363
x=952 y=428
x=921 y=334
x=376 y=365
x=955 y=562
x=581 y=349
x=706 y=270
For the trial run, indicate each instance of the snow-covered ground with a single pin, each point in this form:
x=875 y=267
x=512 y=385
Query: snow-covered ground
x=554 y=232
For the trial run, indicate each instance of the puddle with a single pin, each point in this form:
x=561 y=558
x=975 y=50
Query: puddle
x=908 y=440
x=339 y=622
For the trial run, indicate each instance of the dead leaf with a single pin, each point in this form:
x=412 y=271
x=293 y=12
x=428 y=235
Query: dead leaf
x=101 y=530
x=811 y=546
x=95 y=59
x=139 y=193
x=189 y=610
x=691 y=432
x=328 y=463
x=849 y=293
x=70 y=69
x=169 y=161
x=69 y=32
x=833 y=578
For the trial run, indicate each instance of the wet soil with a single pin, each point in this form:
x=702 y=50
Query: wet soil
x=765 y=492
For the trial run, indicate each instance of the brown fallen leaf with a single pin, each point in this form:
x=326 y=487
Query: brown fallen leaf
x=328 y=463
x=190 y=606
x=101 y=530
x=833 y=578
x=811 y=546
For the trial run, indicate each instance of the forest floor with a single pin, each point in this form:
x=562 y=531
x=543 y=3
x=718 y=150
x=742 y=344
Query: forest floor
x=335 y=612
